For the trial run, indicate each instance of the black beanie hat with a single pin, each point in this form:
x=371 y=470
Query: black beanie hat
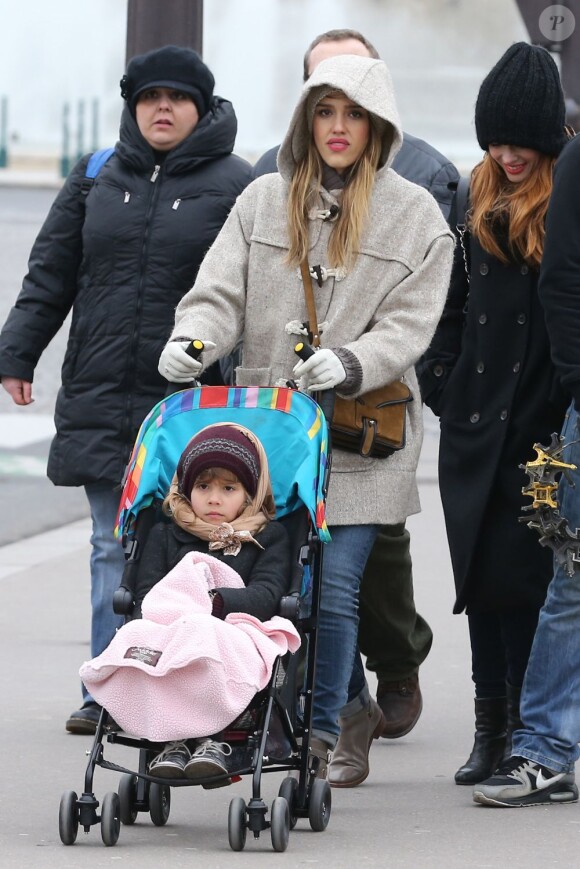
x=170 y=67
x=219 y=446
x=521 y=102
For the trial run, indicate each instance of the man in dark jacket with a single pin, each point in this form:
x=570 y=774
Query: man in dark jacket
x=393 y=636
x=121 y=253
x=541 y=768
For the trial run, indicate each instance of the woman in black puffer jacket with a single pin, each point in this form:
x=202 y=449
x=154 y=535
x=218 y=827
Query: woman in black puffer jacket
x=121 y=252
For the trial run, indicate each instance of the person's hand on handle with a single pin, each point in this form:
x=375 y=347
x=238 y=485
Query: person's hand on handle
x=19 y=390
x=322 y=369
x=179 y=361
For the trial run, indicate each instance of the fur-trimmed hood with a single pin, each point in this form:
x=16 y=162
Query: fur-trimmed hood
x=364 y=80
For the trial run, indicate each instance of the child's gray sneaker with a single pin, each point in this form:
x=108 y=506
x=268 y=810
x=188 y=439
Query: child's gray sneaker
x=522 y=782
x=171 y=762
x=208 y=759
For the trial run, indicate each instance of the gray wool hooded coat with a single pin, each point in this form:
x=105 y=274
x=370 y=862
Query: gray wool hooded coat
x=384 y=310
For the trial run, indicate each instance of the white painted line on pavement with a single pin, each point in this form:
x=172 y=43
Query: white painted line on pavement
x=22 y=428
x=15 y=465
x=24 y=554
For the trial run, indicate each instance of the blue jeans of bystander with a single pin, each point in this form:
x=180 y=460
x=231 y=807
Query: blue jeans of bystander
x=107 y=562
x=340 y=678
x=551 y=692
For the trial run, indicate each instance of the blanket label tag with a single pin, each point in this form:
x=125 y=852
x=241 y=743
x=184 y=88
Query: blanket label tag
x=143 y=654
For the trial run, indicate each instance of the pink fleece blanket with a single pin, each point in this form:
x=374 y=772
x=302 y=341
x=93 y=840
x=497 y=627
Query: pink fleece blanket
x=180 y=672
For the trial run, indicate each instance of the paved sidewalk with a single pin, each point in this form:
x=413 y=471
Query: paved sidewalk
x=409 y=814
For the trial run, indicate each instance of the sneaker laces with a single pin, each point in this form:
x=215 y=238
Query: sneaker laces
x=208 y=745
x=172 y=748
x=518 y=767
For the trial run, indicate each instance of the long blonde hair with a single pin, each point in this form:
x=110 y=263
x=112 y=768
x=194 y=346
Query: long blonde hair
x=521 y=207
x=304 y=194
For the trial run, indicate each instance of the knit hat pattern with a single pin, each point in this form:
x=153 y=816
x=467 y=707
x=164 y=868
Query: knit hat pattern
x=171 y=67
x=521 y=102
x=219 y=446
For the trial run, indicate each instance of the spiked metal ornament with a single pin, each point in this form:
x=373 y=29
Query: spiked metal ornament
x=545 y=517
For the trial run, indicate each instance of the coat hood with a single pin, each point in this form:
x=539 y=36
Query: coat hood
x=367 y=82
x=213 y=137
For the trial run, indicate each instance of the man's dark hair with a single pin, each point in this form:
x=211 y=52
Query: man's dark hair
x=337 y=36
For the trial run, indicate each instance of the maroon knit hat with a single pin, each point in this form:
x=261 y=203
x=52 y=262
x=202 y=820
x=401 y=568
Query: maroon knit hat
x=219 y=446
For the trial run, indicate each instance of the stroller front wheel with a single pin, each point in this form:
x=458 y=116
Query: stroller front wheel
x=280 y=824
x=68 y=818
x=237 y=827
x=110 y=819
x=319 y=805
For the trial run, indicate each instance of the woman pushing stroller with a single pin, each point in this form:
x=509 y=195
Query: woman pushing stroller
x=221 y=505
x=381 y=254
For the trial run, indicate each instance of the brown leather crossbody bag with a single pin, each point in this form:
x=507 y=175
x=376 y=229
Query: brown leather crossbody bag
x=374 y=424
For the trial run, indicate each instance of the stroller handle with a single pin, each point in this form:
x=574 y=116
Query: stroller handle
x=194 y=349
x=326 y=398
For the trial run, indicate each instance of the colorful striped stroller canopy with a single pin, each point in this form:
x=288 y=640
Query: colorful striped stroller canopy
x=290 y=425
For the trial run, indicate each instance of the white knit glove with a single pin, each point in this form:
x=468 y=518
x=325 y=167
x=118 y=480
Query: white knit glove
x=323 y=370
x=175 y=364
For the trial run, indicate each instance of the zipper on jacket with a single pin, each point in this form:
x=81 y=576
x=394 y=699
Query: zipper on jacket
x=131 y=374
x=175 y=205
x=127 y=197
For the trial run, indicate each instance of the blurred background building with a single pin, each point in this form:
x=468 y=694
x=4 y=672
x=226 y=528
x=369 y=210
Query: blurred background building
x=70 y=53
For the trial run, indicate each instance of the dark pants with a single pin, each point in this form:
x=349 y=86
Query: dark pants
x=393 y=636
x=500 y=648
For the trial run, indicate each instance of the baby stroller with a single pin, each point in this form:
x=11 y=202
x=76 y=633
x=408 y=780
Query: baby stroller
x=273 y=734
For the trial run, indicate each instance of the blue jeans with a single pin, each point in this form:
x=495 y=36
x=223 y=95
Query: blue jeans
x=341 y=686
x=107 y=563
x=550 y=701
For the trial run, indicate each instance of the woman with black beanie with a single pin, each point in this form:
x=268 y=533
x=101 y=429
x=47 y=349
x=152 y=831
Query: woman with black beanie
x=489 y=377
x=120 y=253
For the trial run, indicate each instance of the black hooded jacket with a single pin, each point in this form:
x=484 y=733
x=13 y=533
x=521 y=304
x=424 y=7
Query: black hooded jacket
x=121 y=258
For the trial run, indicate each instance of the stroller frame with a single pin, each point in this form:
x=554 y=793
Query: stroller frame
x=306 y=796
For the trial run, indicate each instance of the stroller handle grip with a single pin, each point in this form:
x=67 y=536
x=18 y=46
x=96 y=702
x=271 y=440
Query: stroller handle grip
x=195 y=349
x=304 y=351
x=326 y=398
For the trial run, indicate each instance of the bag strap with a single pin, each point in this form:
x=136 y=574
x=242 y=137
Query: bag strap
x=94 y=166
x=310 y=303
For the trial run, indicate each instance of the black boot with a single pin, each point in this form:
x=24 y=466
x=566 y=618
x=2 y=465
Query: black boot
x=514 y=722
x=488 y=746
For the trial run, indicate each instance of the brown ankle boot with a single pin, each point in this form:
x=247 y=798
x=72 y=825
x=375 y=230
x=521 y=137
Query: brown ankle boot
x=349 y=766
x=402 y=704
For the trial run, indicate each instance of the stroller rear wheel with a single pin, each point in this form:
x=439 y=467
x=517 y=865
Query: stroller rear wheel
x=288 y=790
x=319 y=805
x=159 y=803
x=127 y=799
x=110 y=819
x=68 y=818
x=237 y=827
x=280 y=824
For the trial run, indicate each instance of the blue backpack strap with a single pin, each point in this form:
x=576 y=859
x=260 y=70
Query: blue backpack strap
x=94 y=166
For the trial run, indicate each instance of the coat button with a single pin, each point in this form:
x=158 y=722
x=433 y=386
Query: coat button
x=503 y=414
x=524 y=270
x=522 y=319
x=483 y=269
x=482 y=319
x=480 y=368
x=474 y=417
x=437 y=370
x=516 y=367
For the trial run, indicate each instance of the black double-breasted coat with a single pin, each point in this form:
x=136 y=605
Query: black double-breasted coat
x=489 y=377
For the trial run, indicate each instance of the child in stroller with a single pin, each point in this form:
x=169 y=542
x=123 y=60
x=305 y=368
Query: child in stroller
x=272 y=733
x=220 y=503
